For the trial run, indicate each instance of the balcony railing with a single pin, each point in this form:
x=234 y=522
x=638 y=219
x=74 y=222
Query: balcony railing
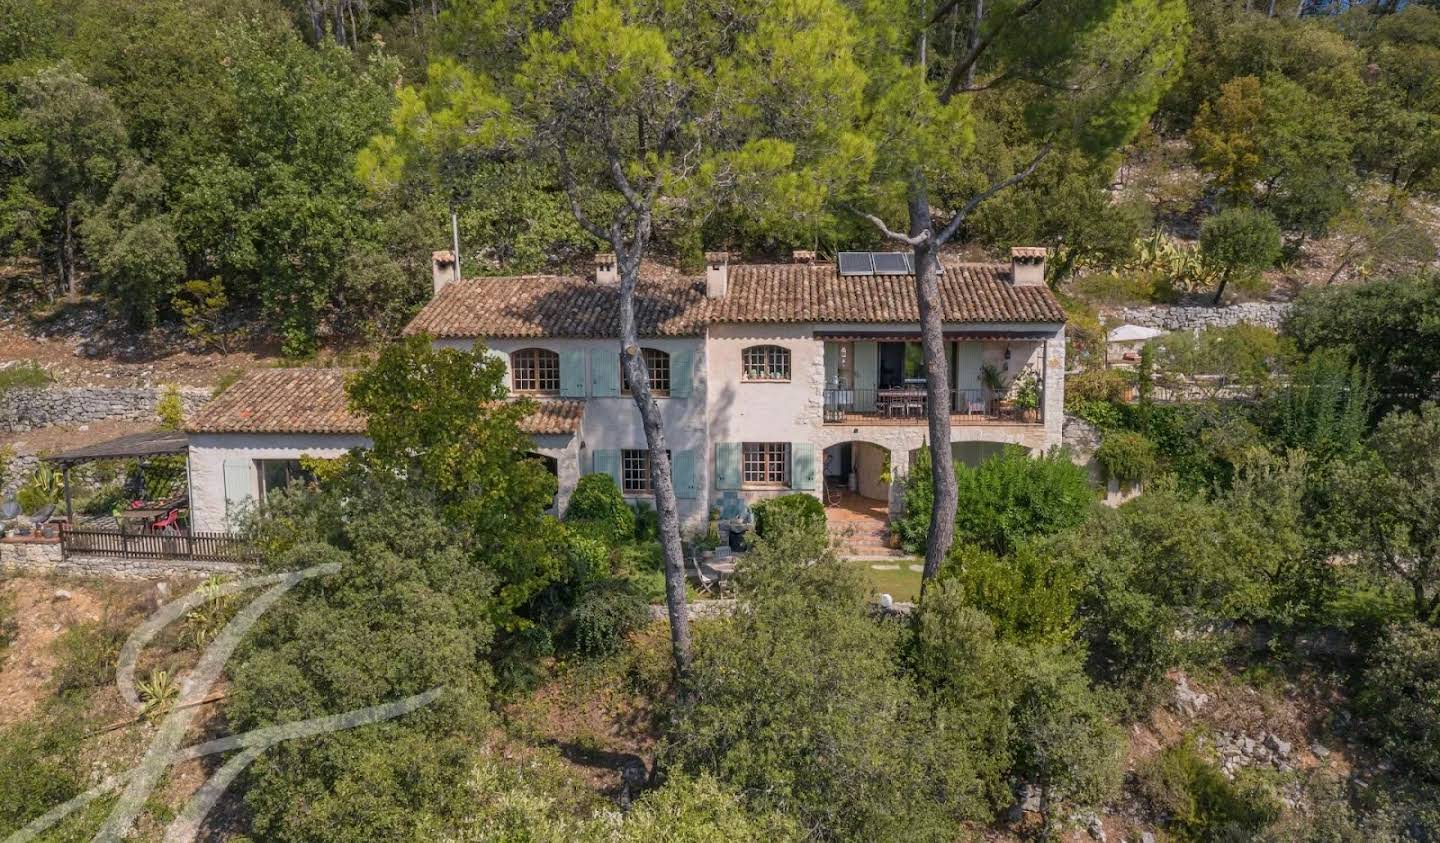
x=909 y=405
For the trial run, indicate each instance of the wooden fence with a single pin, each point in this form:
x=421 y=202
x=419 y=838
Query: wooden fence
x=221 y=547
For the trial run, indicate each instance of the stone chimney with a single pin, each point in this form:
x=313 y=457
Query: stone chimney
x=1027 y=266
x=443 y=269
x=803 y=256
x=606 y=271
x=717 y=274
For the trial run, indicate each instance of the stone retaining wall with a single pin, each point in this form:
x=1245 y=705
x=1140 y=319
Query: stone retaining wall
x=40 y=556
x=1186 y=318
x=27 y=409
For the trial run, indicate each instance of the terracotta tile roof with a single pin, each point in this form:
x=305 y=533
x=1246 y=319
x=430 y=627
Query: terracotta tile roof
x=281 y=401
x=314 y=401
x=559 y=306
x=568 y=306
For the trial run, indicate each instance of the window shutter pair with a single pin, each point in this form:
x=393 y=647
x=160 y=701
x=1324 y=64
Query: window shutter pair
x=572 y=374
x=605 y=373
x=682 y=470
x=802 y=466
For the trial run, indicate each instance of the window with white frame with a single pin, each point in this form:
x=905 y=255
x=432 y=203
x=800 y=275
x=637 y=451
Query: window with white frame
x=535 y=371
x=658 y=362
x=766 y=363
x=765 y=463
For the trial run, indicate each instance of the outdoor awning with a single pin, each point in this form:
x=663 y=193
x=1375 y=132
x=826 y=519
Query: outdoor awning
x=950 y=336
x=152 y=443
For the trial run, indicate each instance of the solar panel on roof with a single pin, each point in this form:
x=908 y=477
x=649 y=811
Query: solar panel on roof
x=891 y=263
x=856 y=263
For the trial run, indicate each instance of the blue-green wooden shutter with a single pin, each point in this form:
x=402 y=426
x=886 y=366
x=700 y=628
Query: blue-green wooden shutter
x=682 y=371
x=802 y=466
x=572 y=374
x=867 y=375
x=604 y=373
x=727 y=465
x=682 y=473
x=239 y=485
x=608 y=462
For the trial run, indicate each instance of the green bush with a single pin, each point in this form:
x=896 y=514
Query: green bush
x=1009 y=499
x=1127 y=456
x=1110 y=385
x=1401 y=697
x=647 y=522
x=87 y=654
x=597 y=501
x=794 y=510
x=604 y=615
x=1200 y=803
x=1122 y=288
x=1030 y=595
x=43 y=768
x=44 y=487
x=170 y=409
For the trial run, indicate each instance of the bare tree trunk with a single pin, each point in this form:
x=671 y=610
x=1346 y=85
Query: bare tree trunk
x=638 y=376
x=67 y=255
x=974 y=41
x=937 y=387
x=1219 y=292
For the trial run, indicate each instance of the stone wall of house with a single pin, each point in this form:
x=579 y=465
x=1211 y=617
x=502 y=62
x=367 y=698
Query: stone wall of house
x=14 y=473
x=1186 y=318
x=42 y=556
x=27 y=409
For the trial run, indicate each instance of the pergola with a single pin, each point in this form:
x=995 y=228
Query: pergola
x=136 y=446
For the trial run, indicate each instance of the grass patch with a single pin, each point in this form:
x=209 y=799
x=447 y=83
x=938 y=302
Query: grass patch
x=26 y=375
x=902 y=584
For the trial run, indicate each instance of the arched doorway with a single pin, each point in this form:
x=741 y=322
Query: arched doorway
x=858 y=468
x=858 y=479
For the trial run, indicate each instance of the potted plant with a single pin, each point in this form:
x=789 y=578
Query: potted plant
x=993 y=379
x=1027 y=395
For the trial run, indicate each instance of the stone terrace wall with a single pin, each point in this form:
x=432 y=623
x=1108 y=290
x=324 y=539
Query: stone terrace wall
x=1188 y=318
x=43 y=557
x=27 y=409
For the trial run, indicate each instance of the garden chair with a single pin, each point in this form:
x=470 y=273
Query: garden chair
x=706 y=584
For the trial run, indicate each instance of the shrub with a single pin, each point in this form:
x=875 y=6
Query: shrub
x=1401 y=696
x=794 y=510
x=604 y=615
x=1097 y=385
x=1201 y=804
x=1125 y=287
x=1029 y=595
x=597 y=501
x=87 y=654
x=42 y=768
x=1009 y=499
x=1126 y=456
x=170 y=409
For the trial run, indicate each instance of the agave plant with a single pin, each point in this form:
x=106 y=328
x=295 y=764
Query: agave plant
x=204 y=622
x=158 y=694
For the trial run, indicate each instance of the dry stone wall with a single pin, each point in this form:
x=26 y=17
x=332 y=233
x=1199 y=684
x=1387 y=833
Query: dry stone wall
x=28 y=409
x=44 y=557
x=1189 y=318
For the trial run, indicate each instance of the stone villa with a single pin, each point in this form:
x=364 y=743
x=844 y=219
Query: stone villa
x=772 y=378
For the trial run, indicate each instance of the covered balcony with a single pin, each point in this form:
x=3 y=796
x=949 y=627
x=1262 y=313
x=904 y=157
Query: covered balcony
x=996 y=379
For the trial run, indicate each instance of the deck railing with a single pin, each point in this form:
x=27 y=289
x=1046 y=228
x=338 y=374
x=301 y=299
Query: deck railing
x=218 y=547
x=908 y=405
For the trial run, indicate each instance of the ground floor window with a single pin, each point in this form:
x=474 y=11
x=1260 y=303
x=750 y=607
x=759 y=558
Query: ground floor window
x=275 y=475
x=635 y=471
x=765 y=463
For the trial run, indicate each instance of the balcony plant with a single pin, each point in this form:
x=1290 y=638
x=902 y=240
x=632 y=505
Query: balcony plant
x=1027 y=395
x=994 y=380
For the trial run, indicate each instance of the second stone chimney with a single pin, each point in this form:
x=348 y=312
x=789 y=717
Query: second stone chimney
x=606 y=272
x=717 y=274
x=443 y=269
x=1027 y=266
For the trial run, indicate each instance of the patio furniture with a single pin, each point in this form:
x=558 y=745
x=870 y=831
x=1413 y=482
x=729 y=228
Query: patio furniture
x=707 y=585
x=975 y=406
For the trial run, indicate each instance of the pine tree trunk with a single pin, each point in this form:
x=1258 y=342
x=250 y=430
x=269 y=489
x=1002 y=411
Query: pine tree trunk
x=67 y=255
x=1224 y=279
x=937 y=391
x=638 y=377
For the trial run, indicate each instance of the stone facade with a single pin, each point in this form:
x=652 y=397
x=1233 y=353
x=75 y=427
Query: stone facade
x=1189 y=318
x=43 y=556
x=27 y=409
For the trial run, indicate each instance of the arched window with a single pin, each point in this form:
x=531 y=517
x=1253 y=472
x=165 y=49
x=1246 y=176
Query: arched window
x=658 y=362
x=535 y=371
x=766 y=363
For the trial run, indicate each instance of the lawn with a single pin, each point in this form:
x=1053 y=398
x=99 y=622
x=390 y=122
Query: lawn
x=902 y=584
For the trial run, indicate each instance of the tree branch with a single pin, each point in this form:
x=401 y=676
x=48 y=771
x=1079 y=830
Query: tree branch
x=573 y=194
x=949 y=230
x=963 y=67
x=886 y=230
